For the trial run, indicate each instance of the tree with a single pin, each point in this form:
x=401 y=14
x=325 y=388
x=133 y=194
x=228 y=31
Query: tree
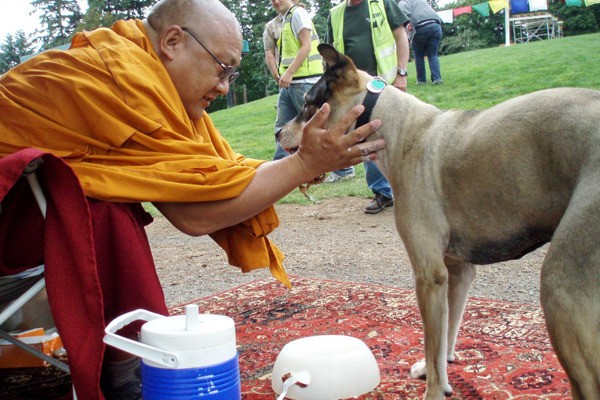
x=472 y=31
x=321 y=12
x=13 y=48
x=576 y=20
x=121 y=9
x=58 y=19
x=95 y=18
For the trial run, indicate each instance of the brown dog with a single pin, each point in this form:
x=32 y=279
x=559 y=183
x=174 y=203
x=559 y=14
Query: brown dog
x=480 y=187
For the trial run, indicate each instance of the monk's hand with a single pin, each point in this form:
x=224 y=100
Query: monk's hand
x=324 y=150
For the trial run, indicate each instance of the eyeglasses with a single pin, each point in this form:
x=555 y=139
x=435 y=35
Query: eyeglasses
x=229 y=72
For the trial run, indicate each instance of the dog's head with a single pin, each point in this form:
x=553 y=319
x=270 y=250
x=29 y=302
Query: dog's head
x=342 y=86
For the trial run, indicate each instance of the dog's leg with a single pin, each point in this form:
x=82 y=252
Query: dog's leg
x=431 y=284
x=570 y=291
x=431 y=281
x=460 y=278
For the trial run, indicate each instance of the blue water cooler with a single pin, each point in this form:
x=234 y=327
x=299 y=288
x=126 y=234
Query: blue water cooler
x=191 y=356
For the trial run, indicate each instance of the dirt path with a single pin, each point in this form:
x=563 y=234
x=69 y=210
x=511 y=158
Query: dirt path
x=332 y=240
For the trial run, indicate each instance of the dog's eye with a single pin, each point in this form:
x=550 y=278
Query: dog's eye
x=307 y=112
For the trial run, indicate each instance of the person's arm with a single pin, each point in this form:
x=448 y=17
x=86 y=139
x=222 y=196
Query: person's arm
x=271 y=61
x=304 y=39
x=270 y=47
x=402 y=53
x=320 y=151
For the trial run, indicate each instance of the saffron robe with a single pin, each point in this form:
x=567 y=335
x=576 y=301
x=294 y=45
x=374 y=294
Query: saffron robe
x=108 y=107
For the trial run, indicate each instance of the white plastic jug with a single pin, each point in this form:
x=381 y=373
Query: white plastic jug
x=191 y=356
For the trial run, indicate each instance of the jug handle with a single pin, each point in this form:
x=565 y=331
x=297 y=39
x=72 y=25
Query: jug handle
x=134 y=347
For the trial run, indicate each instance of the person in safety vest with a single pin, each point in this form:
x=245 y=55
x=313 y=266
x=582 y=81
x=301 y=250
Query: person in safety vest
x=372 y=33
x=119 y=119
x=270 y=37
x=300 y=64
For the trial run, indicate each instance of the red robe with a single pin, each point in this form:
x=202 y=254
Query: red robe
x=98 y=264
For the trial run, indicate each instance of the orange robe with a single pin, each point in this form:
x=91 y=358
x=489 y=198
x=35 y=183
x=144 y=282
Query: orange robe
x=108 y=107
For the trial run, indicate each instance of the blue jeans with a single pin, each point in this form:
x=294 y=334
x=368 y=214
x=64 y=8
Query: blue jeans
x=344 y=171
x=426 y=42
x=376 y=181
x=289 y=104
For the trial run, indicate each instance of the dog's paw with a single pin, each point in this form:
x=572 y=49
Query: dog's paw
x=429 y=395
x=447 y=390
x=419 y=370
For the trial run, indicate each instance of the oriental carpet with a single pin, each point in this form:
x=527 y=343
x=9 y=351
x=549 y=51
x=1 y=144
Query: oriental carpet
x=503 y=351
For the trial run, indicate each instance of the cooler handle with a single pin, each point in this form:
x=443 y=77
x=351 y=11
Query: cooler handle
x=134 y=347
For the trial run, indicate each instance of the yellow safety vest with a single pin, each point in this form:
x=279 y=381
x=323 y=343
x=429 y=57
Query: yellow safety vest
x=382 y=37
x=312 y=65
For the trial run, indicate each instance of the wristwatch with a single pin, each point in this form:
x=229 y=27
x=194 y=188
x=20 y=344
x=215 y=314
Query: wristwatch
x=402 y=72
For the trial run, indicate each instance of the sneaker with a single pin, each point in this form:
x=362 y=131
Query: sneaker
x=420 y=83
x=378 y=204
x=438 y=82
x=333 y=177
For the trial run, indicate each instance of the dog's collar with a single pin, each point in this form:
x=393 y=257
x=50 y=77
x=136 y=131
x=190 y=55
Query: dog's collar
x=374 y=87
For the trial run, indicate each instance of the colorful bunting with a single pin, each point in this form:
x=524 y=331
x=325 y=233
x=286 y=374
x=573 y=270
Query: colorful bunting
x=516 y=7
x=519 y=6
x=446 y=16
x=462 y=10
x=538 y=5
x=497 y=5
x=483 y=9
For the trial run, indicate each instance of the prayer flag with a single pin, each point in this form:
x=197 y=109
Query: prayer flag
x=519 y=6
x=483 y=9
x=447 y=17
x=573 y=3
x=590 y=2
x=535 y=5
x=462 y=10
x=497 y=5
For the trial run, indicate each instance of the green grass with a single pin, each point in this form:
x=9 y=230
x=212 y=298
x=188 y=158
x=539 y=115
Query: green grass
x=472 y=80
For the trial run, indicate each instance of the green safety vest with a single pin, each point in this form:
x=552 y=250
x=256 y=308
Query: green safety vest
x=381 y=35
x=312 y=65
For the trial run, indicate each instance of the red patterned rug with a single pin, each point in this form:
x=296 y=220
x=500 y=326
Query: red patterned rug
x=503 y=350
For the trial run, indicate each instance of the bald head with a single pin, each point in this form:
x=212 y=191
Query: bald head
x=201 y=15
x=196 y=41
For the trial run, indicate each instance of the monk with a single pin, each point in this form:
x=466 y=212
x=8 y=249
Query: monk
x=124 y=109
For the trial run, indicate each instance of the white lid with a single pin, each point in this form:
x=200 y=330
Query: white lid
x=189 y=332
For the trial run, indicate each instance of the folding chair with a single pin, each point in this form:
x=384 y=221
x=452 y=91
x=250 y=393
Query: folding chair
x=16 y=291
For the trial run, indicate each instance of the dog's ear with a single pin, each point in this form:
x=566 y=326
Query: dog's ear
x=330 y=54
x=336 y=62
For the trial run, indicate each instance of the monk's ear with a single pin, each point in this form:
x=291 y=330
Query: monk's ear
x=171 y=41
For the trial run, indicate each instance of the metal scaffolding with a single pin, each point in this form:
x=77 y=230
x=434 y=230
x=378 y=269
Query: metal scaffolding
x=535 y=26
